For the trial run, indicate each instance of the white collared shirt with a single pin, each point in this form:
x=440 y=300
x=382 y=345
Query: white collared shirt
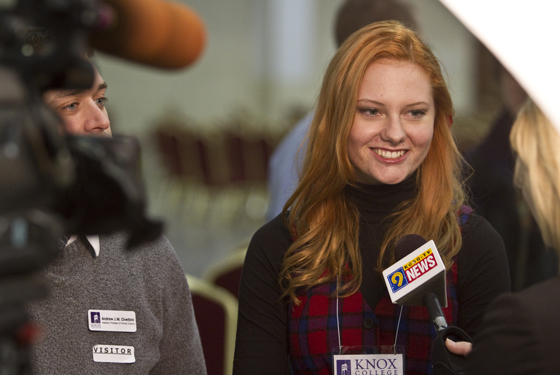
x=93 y=240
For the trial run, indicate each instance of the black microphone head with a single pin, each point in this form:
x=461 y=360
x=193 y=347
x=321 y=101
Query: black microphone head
x=407 y=244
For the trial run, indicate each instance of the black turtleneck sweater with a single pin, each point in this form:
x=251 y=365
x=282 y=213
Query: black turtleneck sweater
x=262 y=345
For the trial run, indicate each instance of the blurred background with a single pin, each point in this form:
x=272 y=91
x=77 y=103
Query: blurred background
x=208 y=131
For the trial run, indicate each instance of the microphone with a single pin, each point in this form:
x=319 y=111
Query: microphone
x=159 y=33
x=418 y=277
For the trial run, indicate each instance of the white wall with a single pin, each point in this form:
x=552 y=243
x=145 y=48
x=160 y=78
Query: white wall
x=454 y=46
x=263 y=56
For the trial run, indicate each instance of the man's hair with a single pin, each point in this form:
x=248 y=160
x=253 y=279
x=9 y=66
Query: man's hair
x=322 y=217
x=537 y=168
x=352 y=15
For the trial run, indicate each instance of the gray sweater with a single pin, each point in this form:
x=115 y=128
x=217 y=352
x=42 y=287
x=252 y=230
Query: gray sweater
x=148 y=280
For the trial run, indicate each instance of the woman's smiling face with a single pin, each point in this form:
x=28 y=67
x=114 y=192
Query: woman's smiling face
x=394 y=122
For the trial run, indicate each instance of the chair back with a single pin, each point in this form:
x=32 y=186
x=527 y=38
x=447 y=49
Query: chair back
x=215 y=310
x=227 y=272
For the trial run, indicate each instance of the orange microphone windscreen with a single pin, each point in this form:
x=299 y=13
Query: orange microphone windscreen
x=154 y=32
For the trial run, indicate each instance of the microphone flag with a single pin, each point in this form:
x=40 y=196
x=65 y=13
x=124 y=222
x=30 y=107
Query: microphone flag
x=418 y=273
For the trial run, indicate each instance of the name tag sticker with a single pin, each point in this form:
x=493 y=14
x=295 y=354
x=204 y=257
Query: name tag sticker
x=113 y=354
x=368 y=364
x=112 y=320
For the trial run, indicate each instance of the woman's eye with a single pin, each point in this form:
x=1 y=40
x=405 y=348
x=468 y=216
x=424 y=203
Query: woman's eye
x=369 y=111
x=417 y=112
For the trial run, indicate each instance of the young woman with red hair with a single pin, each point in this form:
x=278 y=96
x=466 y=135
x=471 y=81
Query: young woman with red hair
x=381 y=163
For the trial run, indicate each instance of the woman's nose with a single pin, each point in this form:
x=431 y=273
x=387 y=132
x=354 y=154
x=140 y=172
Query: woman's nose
x=393 y=131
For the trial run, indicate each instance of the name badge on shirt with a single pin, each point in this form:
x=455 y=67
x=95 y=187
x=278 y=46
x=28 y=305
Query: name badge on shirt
x=113 y=354
x=112 y=320
x=368 y=364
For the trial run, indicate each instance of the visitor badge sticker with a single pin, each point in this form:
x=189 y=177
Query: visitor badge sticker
x=112 y=320
x=368 y=364
x=113 y=354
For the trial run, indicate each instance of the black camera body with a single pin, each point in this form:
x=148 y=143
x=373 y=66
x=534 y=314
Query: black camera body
x=52 y=183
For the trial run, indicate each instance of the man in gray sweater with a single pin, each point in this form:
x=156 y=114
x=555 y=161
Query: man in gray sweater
x=112 y=310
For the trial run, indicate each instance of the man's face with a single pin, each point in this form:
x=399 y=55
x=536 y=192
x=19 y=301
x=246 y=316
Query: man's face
x=83 y=112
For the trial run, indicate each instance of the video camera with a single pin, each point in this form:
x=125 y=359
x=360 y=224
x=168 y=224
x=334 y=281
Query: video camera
x=52 y=183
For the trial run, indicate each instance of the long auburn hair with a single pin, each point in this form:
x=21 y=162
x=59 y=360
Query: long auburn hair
x=323 y=221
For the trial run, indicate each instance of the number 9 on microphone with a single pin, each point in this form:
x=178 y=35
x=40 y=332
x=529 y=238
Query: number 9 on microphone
x=397 y=280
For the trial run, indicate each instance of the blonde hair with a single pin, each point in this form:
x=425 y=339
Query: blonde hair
x=323 y=220
x=536 y=143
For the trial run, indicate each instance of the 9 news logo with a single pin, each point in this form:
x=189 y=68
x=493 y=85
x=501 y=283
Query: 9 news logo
x=412 y=270
x=397 y=280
